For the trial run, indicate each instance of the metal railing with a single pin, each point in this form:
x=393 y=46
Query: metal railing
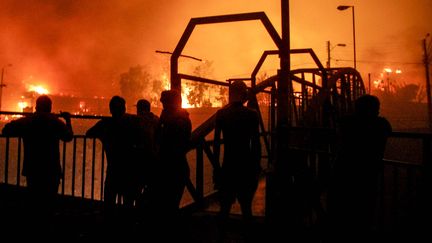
x=83 y=164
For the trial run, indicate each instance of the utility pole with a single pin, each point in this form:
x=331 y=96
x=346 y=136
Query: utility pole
x=328 y=54
x=278 y=201
x=2 y=85
x=428 y=85
x=369 y=82
x=329 y=49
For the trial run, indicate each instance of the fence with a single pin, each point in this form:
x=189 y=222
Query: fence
x=84 y=163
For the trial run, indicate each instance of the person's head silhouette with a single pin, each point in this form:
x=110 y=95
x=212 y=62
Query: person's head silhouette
x=142 y=106
x=238 y=92
x=367 y=105
x=171 y=99
x=117 y=106
x=43 y=104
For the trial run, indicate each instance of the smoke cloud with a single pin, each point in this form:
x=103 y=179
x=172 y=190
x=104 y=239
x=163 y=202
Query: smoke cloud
x=81 y=47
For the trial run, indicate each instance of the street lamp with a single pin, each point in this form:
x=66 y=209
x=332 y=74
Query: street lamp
x=329 y=49
x=1 y=82
x=426 y=61
x=345 y=7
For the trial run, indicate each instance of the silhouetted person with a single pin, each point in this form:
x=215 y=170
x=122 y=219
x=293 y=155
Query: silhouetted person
x=147 y=149
x=358 y=169
x=239 y=174
x=120 y=137
x=41 y=133
x=172 y=170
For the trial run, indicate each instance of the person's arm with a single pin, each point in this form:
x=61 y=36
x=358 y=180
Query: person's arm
x=68 y=133
x=187 y=131
x=95 y=131
x=14 y=128
x=256 y=143
x=216 y=153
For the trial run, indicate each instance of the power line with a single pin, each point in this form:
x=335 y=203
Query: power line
x=167 y=52
x=383 y=62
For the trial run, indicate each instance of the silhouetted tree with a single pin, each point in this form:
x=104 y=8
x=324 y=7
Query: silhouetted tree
x=403 y=93
x=407 y=93
x=222 y=95
x=196 y=96
x=134 y=83
x=157 y=86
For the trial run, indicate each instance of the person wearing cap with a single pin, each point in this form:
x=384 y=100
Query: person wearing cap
x=239 y=173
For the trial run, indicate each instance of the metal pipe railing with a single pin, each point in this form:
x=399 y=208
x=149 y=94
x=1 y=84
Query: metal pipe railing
x=317 y=153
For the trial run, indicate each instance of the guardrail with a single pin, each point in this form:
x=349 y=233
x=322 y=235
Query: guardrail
x=84 y=163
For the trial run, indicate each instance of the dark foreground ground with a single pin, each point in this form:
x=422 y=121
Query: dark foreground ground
x=78 y=220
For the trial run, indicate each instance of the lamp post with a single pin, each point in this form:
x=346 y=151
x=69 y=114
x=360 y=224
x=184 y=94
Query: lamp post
x=345 y=7
x=426 y=62
x=329 y=49
x=1 y=82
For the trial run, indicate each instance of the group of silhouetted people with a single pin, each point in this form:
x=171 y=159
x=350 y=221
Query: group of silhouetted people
x=147 y=165
x=146 y=155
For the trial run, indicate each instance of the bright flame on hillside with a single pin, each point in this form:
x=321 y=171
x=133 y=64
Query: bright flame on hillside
x=39 y=89
x=193 y=96
x=184 y=94
x=185 y=91
x=165 y=81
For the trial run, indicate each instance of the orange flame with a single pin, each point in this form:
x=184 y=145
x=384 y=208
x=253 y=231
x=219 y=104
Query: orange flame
x=39 y=89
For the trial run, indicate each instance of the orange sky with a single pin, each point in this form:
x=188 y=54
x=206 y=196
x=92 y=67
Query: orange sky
x=82 y=46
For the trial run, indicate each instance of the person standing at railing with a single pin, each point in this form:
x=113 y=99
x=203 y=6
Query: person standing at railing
x=358 y=167
x=41 y=133
x=239 y=174
x=147 y=149
x=171 y=172
x=120 y=138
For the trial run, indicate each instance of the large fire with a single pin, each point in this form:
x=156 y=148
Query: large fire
x=32 y=90
x=38 y=89
x=386 y=81
x=187 y=87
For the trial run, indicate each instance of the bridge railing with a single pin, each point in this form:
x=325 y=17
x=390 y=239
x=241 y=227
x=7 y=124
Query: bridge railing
x=84 y=164
x=405 y=178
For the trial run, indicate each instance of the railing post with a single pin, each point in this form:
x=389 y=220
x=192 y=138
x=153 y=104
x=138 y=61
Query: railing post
x=83 y=172
x=63 y=169
x=6 y=172
x=73 y=166
x=93 y=168
x=18 y=172
x=102 y=173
